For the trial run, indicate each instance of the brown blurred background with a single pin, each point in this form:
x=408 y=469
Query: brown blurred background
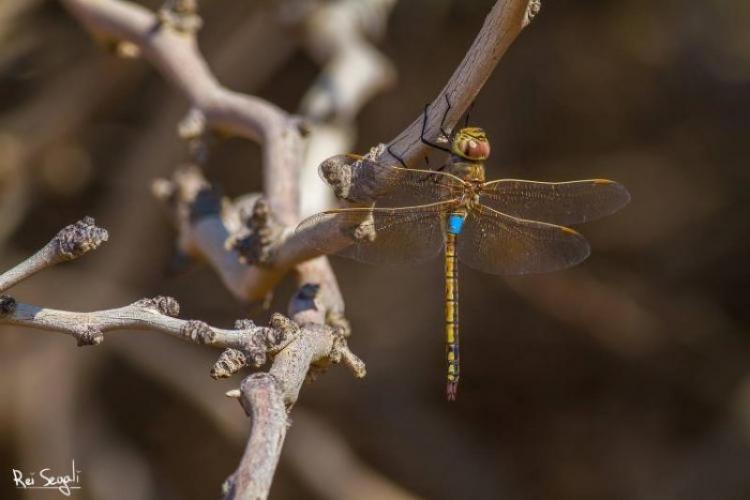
x=627 y=377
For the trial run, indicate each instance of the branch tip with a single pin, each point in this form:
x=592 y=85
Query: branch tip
x=230 y=362
x=340 y=353
x=125 y=49
x=336 y=171
x=193 y=125
x=77 y=239
x=7 y=305
x=531 y=11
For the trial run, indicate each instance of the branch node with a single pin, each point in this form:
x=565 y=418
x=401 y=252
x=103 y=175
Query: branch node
x=338 y=321
x=260 y=233
x=89 y=335
x=126 y=50
x=244 y=324
x=193 y=125
x=181 y=15
x=285 y=326
x=7 y=305
x=161 y=303
x=336 y=171
x=76 y=239
x=230 y=362
x=531 y=11
x=198 y=332
x=255 y=345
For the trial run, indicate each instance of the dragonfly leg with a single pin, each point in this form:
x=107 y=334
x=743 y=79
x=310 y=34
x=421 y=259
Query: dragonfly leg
x=468 y=114
x=442 y=131
x=448 y=107
x=435 y=178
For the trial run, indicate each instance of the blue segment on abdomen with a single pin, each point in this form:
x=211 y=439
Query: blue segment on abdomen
x=455 y=223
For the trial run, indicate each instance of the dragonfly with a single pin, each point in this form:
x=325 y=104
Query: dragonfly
x=503 y=227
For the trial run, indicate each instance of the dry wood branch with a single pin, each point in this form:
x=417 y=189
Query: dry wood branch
x=244 y=241
x=175 y=54
x=267 y=397
x=250 y=342
x=177 y=57
x=336 y=35
x=262 y=402
x=70 y=243
x=296 y=346
x=155 y=314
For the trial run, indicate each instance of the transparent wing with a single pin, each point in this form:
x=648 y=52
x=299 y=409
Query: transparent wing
x=391 y=186
x=555 y=202
x=401 y=235
x=497 y=243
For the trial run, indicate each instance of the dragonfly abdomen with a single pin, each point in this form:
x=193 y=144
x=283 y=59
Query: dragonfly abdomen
x=454 y=225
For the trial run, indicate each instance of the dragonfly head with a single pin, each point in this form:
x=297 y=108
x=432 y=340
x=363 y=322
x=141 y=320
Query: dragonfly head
x=471 y=143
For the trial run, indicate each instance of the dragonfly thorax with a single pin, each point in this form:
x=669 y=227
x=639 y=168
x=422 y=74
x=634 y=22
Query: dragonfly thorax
x=468 y=171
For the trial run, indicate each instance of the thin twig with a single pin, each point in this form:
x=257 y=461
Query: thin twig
x=70 y=243
x=295 y=346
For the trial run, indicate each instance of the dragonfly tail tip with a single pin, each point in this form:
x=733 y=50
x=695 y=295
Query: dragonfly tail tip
x=451 y=391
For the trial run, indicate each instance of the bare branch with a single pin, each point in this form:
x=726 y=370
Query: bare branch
x=262 y=401
x=155 y=314
x=245 y=243
x=177 y=57
x=70 y=243
x=266 y=398
x=296 y=346
x=175 y=54
x=246 y=344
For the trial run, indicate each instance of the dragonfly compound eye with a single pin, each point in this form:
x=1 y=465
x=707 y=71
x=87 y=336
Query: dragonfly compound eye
x=472 y=148
x=471 y=144
x=477 y=149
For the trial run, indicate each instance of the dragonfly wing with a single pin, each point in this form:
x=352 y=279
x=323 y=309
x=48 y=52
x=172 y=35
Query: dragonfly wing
x=401 y=235
x=390 y=186
x=497 y=243
x=556 y=202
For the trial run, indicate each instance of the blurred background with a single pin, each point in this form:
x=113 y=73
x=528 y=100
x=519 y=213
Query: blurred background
x=626 y=377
